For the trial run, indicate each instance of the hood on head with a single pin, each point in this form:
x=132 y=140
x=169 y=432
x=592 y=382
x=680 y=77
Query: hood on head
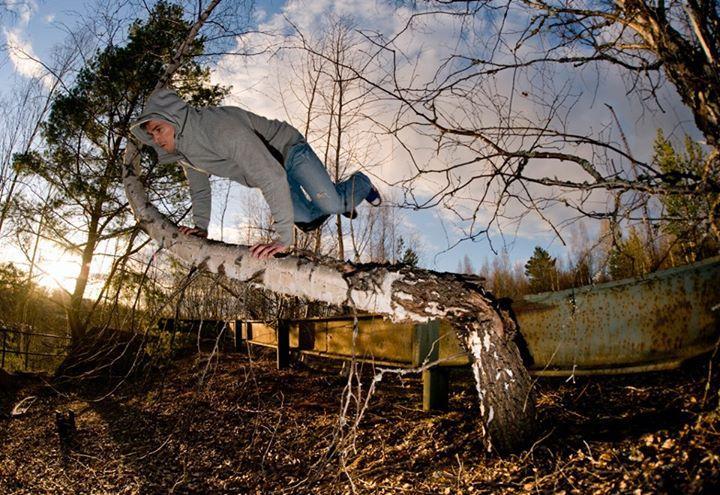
x=163 y=104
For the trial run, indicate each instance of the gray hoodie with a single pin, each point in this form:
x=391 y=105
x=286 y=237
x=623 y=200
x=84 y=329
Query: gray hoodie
x=224 y=141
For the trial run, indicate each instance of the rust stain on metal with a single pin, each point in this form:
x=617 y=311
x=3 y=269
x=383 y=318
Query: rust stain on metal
x=637 y=324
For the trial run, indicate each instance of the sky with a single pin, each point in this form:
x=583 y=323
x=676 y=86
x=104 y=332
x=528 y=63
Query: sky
x=37 y=26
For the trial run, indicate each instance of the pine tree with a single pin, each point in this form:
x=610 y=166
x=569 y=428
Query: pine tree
x=541 y=271
x=405 y=253
x=84 y=138
x=689 y=217
x=410 y=257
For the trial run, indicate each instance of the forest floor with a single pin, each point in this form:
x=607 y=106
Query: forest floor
x=235 y=424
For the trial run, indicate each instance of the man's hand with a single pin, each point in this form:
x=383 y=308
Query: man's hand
x=265 y=251
x=194 y=231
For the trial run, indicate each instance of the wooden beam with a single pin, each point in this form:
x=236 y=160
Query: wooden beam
x=436 y=388
x=435 y=378
x=283 y=344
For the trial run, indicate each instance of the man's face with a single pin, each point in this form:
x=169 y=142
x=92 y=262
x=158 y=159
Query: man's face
x=162 y=134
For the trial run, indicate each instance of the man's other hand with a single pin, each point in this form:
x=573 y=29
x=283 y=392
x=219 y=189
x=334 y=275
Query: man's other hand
x=265 y=251
x=193 y=231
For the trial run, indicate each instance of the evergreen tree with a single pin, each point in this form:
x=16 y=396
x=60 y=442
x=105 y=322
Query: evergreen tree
x=628 y=257
x=406 y=254
x=541 y=271
x=410 y=257
x=689 y=216
x=84 y=140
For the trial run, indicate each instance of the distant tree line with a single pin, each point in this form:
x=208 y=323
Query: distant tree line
x=678 y=238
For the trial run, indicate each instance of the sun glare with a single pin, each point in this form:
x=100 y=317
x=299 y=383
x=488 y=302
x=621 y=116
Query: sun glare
x=58 y=272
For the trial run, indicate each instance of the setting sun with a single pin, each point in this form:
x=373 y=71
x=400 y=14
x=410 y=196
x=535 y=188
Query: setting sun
x=58 y=272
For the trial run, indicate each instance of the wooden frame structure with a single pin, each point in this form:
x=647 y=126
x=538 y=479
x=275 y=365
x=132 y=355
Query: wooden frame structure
x=431 y=347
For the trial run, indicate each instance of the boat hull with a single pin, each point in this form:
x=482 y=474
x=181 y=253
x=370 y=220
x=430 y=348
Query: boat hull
x=632 y=325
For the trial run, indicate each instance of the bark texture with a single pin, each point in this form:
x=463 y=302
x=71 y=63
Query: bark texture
x=400 y=292
x=690 y=68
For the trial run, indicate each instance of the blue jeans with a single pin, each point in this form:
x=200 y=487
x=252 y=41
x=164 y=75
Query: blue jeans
x=312 y=191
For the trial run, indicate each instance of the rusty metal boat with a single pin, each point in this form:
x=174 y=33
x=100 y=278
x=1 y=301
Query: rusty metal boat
x=640 y=324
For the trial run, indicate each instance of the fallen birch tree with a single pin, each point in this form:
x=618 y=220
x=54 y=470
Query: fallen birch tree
x=402 y=293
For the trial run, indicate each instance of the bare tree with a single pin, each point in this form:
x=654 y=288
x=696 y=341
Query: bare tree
x=375 y=234
x=501 y=101
x=21 y=120
x=335 y=98
x=303 y=88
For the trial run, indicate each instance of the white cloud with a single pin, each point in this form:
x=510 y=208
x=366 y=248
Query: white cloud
x=19 y=48
x=22 y=55
x=49 y=18
x=23 y=10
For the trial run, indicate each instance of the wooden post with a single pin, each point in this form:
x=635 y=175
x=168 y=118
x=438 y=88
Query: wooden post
x=435 y=378
x=4 y=332
x=237 y=328
x=27 y=350
x=283 y=344
x=435 y=389
x=248 y=331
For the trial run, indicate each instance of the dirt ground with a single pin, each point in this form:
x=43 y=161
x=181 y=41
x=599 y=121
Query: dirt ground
x=235 y=424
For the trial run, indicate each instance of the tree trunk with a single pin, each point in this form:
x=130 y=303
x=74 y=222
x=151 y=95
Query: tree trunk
x=76 y=322
x=338 y=144
x=689 y=68
x=403 y=293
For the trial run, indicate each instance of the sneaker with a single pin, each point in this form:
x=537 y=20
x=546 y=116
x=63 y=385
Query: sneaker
x=373 y=197
x=312 y=225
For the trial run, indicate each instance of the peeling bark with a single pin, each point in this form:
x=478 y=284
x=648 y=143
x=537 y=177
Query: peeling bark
x=401 y=293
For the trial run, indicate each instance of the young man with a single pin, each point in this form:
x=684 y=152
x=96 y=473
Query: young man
x=254 y=151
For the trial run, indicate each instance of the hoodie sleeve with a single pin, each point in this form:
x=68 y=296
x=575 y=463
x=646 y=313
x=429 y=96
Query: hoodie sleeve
x=200 y=195
x=261 y=170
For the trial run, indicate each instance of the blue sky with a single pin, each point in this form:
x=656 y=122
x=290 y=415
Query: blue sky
x=38 y=29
